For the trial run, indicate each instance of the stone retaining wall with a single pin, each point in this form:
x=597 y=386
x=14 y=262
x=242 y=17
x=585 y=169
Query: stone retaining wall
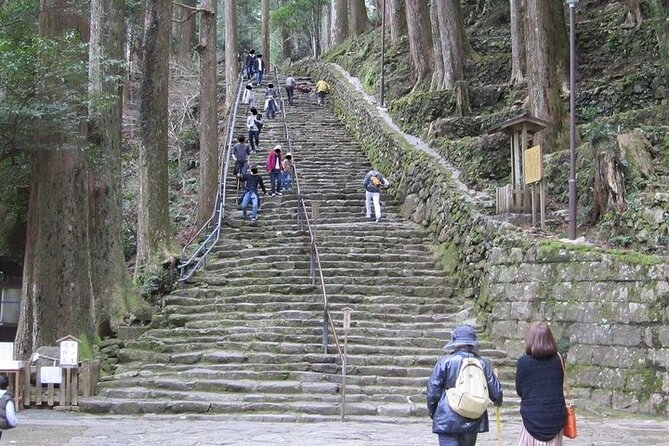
x=609 y=310
x=609 y=313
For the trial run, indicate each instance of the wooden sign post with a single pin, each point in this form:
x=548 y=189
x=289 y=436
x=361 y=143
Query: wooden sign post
x=534 y=173
x=69 y=364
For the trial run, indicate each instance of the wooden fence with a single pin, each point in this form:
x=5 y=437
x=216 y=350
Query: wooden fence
x=75 y=382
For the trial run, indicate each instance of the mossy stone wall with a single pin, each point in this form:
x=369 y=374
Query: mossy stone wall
x=609 y=313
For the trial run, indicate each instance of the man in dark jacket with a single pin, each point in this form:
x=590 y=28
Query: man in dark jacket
x=454 y=429
x=252 y=180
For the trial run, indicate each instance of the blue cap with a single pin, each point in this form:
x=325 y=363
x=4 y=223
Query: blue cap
x=463 y=335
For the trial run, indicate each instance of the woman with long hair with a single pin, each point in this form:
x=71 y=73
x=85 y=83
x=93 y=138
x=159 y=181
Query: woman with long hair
x=539 y=381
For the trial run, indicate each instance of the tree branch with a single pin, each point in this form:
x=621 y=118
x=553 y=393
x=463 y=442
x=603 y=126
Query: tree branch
x=192 y=8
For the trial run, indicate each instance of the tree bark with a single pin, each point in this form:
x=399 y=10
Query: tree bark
x=112 y=285
x=397 y=15
x=608 y=193
x=154 y=232
x=420 y=39
x=546 y=44
x=358 y=21
x=452 y=34
x=185 y=32
x=57 y=297
x=339 y=21
x=517 y=42
x=634 y=16
x=208 y=121
x=326 y=28
x=438 y=56
x=265 y=35
x=231 y=51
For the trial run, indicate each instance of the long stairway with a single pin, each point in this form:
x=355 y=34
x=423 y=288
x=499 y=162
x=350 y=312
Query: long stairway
x=244 y=337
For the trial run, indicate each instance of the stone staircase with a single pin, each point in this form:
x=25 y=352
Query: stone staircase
x=244 y=337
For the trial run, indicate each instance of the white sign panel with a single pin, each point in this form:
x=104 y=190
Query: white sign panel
x=50 y=375
x=69 y=353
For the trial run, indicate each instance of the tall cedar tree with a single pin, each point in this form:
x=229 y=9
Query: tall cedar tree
x=208 y=120
x=339 y=21
x=266 y=44
x=114 y=293
x=184 y=30
x=420 y=39
x=57 y=290
x=358 y=22
x=397 y=18
x=517 y=7
x=547 y=49
x=231 y=51
x=154 y=233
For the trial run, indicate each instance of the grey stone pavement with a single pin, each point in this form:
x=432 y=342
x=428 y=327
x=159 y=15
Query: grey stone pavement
x=46 y=427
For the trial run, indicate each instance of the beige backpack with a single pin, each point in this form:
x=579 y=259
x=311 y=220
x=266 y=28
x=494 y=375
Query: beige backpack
x=469 y=397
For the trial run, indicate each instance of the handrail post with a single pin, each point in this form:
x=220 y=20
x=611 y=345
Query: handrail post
x=344 y=361
x=326 y=332
x=312 y=264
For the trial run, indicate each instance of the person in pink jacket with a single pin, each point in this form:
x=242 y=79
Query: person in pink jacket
x=274 y=167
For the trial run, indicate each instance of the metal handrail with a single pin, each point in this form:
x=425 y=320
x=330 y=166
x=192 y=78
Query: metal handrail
x=315 y=258
x=197 y=259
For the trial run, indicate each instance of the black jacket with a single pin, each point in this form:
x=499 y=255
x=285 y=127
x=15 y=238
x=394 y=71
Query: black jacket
x=252 y=182
x=444 y=375
x=539 y=386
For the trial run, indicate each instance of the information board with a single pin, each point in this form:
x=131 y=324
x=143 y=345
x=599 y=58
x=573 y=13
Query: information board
x=533 y=167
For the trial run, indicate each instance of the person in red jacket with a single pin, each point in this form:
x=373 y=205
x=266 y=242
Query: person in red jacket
x=274 y=167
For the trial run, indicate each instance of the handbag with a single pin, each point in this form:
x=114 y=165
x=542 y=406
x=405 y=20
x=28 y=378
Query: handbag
x=569 y=429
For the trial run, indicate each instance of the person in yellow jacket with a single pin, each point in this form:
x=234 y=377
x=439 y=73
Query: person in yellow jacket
x=322 y=88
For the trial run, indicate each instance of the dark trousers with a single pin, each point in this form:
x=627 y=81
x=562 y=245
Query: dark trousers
x=464 y=439
x=275 y=180
x=289 y=92
x=253 y=139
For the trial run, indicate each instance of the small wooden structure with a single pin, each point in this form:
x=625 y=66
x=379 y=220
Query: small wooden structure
x=515 y=197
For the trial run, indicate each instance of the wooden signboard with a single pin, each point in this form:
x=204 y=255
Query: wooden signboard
x=533 y=168
x=69 y=353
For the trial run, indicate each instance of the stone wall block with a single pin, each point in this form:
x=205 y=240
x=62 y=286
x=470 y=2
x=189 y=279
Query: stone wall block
x=598 y=378
x=581 y=354
x=625 y=401
x=504 y=329
x=626 y=335
x=602 y=396
x=591 y=334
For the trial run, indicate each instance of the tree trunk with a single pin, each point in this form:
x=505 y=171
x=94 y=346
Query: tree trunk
x=453 y=29
x=420 y=39
x=154 y=232
x=517 y=42
x=634 y=17
x=265 y=36
x=286 y=44
x=339 y=21
x=358 y=21
x=660 y=11
x=326 y=28
x=185 y=32
x=57 y=297
x=208 y=120
x=231 y=50
x=438 y=56
x=608 y=193
x=397 y=16
x=112 y=285
x=316 y=31
x=546 y=45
